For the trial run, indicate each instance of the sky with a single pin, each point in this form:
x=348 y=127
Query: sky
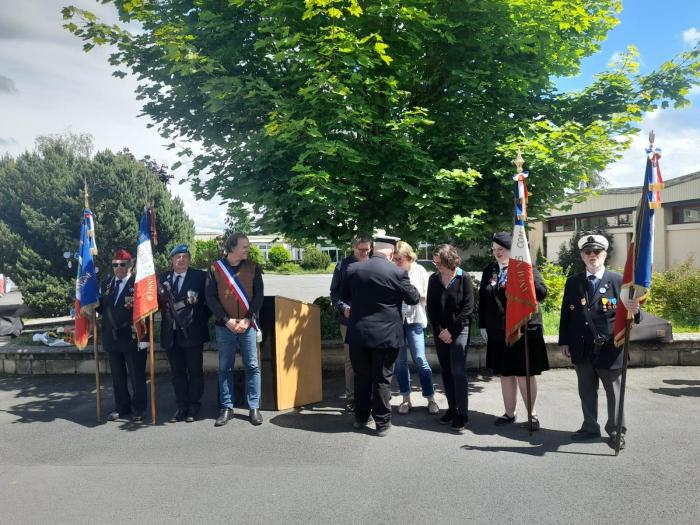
x=48 y=85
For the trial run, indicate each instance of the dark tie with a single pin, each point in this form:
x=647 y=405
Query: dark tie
x=117 y=284
x=176 y=284
x=591 y=286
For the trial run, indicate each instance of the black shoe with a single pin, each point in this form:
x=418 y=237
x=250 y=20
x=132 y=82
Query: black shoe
x=383 y=430
x=359 y=424
x=224 y=415
x=447 y=417
x=535 y=424
x=137 y=418
x=350 y=407
x=458 y=422
x=255 y=417
x=113 y=416
x=613 y=439
x=584 y=435
x=505 y=419
x=179 y=415
x=192 y=415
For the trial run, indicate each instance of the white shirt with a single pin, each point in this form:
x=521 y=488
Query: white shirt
x=182 y=280
x=598 y=274
x=416 y=313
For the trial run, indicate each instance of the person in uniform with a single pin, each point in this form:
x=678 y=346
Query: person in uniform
x=588 y=310
x=234 y=294
x=376 y=289
x=509 y=361
x=184 y=330
x=361 y=247
x=127 y=361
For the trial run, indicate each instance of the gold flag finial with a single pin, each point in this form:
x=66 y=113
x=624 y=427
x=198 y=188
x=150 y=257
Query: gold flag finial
x=519 y=161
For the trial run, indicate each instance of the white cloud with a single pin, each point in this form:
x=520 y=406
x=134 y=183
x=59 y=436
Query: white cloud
x=691 y=36
x=677 y=134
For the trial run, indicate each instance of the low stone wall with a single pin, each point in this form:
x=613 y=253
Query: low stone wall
x=29 y=360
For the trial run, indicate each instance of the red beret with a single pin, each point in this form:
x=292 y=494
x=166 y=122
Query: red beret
x=122 y=255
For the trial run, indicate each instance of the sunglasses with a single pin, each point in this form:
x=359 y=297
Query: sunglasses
x=118 y=264
x=596 y=251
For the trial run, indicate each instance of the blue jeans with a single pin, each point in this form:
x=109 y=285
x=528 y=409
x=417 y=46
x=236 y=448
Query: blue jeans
x=416 y=342
x=228 y=343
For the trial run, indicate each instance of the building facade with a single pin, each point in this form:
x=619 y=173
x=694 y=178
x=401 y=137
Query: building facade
x=677 y=226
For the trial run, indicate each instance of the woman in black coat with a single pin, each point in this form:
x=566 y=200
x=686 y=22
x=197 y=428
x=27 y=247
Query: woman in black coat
x=509 y=361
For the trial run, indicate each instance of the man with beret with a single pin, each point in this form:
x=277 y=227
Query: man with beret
x=184 y=330
x=127 y=362
x=235 y=295
x=376 y=289
x=589 y=306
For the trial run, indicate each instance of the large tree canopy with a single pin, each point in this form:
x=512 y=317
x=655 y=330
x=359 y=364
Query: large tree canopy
x=41 y=204
x=331 y=116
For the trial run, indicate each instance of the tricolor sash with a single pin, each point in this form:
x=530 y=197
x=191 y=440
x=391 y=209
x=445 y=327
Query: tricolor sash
x=234 y=284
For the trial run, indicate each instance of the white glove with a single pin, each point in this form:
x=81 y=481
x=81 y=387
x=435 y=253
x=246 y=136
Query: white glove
x=484 y=335
x=143 y=345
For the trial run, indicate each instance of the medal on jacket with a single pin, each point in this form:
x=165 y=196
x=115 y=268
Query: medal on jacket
x=583 y=301
x=192 y=296
x=604 y=301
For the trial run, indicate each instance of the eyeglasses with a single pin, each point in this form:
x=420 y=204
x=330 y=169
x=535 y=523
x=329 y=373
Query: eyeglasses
x=595 y=251
x=118 y=264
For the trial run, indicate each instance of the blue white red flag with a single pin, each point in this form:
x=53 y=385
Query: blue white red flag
x=636 y=278
x=87 y=296
x=520 y=287
x=145 y=283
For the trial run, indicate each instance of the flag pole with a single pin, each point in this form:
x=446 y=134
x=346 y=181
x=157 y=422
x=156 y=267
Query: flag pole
x=519 y=161
x=152 y=365
x=98 y=393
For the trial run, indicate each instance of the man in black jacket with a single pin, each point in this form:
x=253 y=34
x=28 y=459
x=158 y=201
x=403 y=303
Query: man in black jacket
x=586 y=326
x=376 y=288
x=127 y=362
x=184 y=330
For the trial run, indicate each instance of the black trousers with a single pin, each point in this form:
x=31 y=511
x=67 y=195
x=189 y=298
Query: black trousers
x=453 y=365
x=129 y=368
x=188 y=375
x=374 y=369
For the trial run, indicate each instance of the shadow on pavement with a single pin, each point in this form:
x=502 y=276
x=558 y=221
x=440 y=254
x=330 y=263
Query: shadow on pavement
x=692 y=390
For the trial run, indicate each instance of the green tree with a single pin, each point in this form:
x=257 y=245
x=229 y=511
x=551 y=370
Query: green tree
x=41 y=203
x=205 y=253
x=315 y=259
x=333 y=116
x=278 y=255
x=239 y=220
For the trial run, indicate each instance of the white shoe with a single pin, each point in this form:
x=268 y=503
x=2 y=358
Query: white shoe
x=433 y=408
x=404 y=407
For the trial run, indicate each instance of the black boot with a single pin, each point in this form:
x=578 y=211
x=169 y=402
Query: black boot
x=224 y=415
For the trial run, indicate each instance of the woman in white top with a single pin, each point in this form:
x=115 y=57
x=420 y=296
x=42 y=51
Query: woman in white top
x=414 y=322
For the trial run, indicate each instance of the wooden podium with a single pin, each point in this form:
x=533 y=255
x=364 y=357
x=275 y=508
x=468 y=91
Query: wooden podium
x=290 y=353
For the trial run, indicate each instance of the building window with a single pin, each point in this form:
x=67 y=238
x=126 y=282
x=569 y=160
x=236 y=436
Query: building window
x=686 y=214
x=616 y=220
x=561 y=225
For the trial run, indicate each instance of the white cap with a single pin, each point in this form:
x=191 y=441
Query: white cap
x=593 y=241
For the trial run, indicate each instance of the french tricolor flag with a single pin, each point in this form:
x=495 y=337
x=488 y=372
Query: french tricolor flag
x=146 y=283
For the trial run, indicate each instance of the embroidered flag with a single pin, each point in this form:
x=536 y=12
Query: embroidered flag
x=236 y=288
x=636 y=278
x=87 y=296
x=520 y=286
x=145 y=283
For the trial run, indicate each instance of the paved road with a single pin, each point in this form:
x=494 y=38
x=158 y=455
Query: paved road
x=309 y=466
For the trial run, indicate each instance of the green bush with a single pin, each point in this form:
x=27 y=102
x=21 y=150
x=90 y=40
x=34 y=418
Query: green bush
x=48 y=296
x=278 y=255
x=674 y=294
x=315 y=259
x=330 y=326
x=289 y=267
x=555 y=279
x=256 y=255
x=204 y=253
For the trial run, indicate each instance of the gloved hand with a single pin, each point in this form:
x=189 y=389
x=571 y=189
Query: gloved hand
x=484 y=334
x=143 y=345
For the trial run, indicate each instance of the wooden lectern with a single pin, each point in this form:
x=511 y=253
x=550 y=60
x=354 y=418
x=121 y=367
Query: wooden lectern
x=290 y=353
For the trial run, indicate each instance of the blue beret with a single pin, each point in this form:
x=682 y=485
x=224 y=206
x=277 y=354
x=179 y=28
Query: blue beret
x=179 y=248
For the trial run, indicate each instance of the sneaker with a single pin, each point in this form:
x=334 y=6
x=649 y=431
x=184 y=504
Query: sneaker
x=446 y=418
x=458 y=422
x=404 y=407
x=433 y=408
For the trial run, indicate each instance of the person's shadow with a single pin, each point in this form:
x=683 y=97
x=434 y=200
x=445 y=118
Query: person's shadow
x=692 y=389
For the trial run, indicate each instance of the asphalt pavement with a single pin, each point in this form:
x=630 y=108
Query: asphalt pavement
x=57 y=465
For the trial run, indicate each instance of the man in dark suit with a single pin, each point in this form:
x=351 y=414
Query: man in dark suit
x=184 y=330
x=376 y=289
x=588 y=311
x=126 y=361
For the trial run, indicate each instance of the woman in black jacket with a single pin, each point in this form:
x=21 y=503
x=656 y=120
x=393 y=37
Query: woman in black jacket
x=450 y=302
x=509 y=361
